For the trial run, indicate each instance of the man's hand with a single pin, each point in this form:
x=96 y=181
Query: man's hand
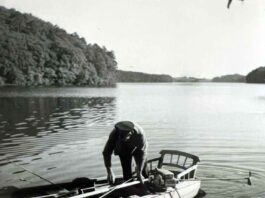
x=140 y=178
x=111 y=176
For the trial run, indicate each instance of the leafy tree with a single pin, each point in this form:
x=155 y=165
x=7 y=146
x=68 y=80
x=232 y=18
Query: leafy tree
x=256 y=76
x=34 y=52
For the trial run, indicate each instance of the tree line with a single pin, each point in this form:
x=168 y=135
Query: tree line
x=34 y=52
x=37 y=53
x=130 y=76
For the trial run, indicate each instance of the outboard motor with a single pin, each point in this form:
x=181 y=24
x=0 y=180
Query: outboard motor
x=161 y=179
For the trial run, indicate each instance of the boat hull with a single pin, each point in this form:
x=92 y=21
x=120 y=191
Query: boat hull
x=186 y=189
x=172 y=168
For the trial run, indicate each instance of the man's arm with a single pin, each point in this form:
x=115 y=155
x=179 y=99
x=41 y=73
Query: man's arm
x=140 y=151
x=140 y=156
x=107 y=152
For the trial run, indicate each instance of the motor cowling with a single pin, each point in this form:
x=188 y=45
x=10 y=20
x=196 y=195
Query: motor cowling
x=161 y=179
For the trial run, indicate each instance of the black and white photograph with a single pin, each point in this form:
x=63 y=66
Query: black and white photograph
x=132 y=99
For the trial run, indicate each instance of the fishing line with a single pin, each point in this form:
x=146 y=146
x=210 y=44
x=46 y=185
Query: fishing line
x=37 y=175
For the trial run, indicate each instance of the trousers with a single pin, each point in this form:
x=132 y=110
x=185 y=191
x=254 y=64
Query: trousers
x=126 y=163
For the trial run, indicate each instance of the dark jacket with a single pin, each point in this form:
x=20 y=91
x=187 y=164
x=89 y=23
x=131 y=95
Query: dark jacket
x=136 y=144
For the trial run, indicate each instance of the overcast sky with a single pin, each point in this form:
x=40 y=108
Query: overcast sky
x=199 y=38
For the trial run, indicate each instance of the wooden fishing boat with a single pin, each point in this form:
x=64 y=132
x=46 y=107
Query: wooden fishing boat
x=171 y=175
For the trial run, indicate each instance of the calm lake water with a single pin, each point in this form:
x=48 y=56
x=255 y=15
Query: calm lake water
x=59 y=133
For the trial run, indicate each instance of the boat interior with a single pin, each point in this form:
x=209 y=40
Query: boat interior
x=182 y=165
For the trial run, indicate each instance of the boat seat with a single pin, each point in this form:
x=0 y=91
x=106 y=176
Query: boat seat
x=173 y=160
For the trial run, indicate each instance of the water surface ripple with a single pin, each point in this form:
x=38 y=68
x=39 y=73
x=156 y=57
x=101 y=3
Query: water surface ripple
x=59 y=133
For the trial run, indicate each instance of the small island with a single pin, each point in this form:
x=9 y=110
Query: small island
x=256 y=76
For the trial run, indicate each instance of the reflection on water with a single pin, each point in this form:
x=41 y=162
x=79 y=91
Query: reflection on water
x=32 y=116
x=36 y=129
x=59 y=133
x=25 y=119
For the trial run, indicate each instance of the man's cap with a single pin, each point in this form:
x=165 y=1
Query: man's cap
x=124 y=126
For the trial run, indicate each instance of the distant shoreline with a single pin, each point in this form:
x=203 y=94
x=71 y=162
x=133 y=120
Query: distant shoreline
x=132 y=77
x=59 y=59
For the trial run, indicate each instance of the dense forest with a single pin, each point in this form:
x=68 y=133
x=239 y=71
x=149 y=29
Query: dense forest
x=34 y=52
x=129 y=76
x=256 y=76
x=230 y=78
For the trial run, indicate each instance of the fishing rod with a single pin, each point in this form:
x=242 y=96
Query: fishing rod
x=107 y=190
x=111 y=190
x=225 y=179
x=39 y=176
x=119 y=186
x=233 y=179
